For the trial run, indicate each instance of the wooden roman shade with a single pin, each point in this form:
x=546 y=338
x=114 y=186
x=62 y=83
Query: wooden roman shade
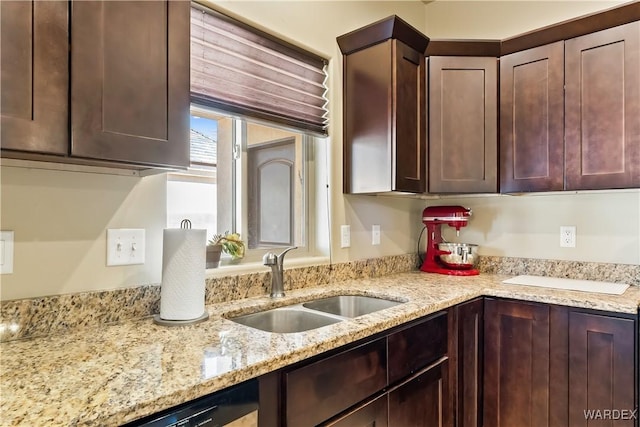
x=242 y=70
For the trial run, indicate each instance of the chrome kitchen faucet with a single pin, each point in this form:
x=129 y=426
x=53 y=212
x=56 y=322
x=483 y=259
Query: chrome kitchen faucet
x=277 y=271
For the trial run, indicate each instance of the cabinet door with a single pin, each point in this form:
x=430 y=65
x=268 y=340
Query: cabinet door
x=531 y=119
x=34 y=70
x=130 y=81
x=367 y=114
x=516 y=364
x=373 y=414
x=463 y=134
x=410 y=130
x=601 y=370
x=602 y=109
x=468 y=363
x=384 y=119
x=422 y=400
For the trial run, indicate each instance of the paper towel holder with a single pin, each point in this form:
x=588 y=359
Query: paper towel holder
x=185 y=224
x=159 y=321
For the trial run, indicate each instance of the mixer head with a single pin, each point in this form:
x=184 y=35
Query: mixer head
x=453 y=216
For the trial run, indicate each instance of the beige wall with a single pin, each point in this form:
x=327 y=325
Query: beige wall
x=607 y=225
x=60 y=218
x=501 y=19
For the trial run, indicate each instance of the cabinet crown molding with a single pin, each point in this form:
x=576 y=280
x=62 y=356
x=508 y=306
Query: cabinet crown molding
x=392 y=27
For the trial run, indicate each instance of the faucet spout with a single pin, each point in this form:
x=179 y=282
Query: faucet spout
x=276 y=262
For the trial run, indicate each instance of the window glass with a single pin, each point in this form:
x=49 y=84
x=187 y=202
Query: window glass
x=245 y=177
x=276 y=185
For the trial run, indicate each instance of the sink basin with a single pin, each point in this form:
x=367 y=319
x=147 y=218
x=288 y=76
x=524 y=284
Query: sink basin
x=285 y=320
x=350 y=305
x=313 y=314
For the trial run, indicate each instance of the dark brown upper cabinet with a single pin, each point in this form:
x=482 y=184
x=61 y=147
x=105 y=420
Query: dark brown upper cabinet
x=463 y=124
x=602 y=109
x=531 y=119
x=35 y=78
x=130 y=82
x=384 y=108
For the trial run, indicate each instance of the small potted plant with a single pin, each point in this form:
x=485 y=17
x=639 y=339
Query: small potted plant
x=230 y=244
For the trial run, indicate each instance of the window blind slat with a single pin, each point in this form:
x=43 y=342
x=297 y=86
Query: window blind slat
x=253 y=97
x=233 y=77
x=213 y=39
x=247 y=71
x=211 y=60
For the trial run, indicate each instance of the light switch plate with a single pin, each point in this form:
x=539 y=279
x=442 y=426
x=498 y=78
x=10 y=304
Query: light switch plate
x=125 y=246
x=345 y=236
x=6 y=252
x=375 y=234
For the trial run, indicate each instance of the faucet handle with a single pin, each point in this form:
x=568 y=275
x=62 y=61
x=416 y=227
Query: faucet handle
x=272 y=259
x=281 y=256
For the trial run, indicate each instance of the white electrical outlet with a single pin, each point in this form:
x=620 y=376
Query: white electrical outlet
x=345 y=236
x=375 y=234
x=6 y=252
x=125 y=246
x=568 y=236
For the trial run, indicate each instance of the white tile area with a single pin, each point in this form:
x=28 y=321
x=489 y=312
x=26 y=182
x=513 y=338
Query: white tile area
x=569 y=284
x=6 y=252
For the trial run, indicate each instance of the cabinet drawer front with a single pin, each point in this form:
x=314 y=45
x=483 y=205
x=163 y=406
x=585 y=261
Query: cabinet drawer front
x=422 y=400
x=415 y=347
x=371 y=414
x=322 y=389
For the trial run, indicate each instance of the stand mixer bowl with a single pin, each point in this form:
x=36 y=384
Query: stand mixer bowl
x=461 y=256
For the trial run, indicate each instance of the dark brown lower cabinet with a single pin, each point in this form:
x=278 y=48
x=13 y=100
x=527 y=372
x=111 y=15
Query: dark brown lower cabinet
x=466 y=362
x=320 y=390
x=547 y=365
x=602 y=371
x=421 y=401
x=398 y=378
x=516 y=369
x=371 y=414
x=507 y=363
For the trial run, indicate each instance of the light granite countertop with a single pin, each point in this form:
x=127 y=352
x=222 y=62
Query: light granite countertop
x=118 y=373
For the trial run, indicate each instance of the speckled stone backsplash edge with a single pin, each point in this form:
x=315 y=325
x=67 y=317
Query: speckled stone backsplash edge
x=51 y=315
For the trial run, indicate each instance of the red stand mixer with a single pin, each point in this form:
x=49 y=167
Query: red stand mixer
x=447 y=258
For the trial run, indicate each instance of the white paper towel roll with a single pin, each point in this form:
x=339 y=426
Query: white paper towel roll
x=183 y=268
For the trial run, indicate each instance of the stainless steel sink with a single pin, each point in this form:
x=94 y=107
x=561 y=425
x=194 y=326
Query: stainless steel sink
x=350 y=305
x=285 y=320
x=313 y=314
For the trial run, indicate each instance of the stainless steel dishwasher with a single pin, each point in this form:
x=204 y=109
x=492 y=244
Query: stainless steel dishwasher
x=236 y=406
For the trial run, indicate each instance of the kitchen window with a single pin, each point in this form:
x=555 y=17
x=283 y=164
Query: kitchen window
x=258 y=113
